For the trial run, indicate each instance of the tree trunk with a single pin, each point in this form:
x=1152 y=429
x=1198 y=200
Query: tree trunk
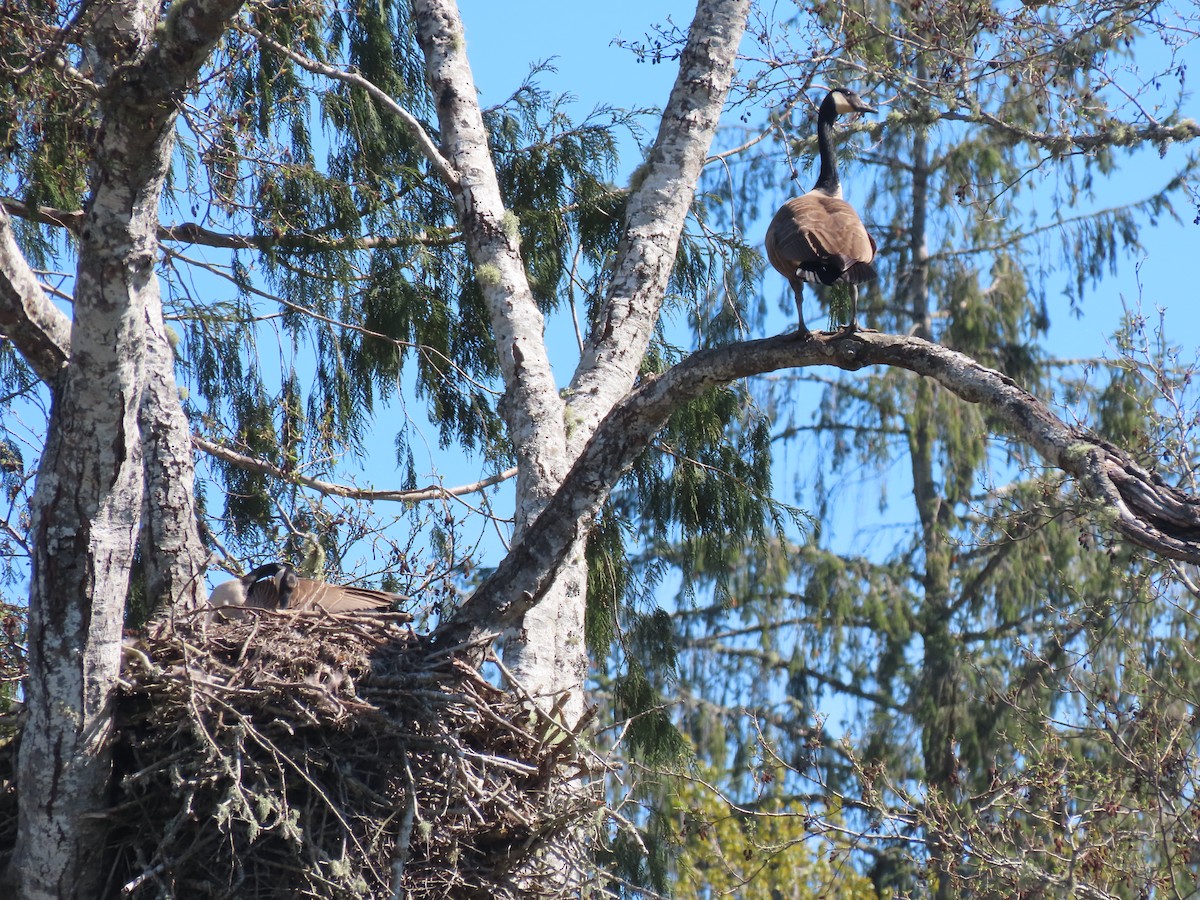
x=547 y=651
x=938 y=702
x=85 y=521
x=532 y=407
x=546 y=648
x=88 y=499
x=173 y=556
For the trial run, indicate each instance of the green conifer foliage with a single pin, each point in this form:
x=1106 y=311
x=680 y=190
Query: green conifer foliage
x=967 y=631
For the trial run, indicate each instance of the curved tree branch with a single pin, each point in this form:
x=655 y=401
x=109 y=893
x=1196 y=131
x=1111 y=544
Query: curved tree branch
x=38 y=328
x=1131 y=500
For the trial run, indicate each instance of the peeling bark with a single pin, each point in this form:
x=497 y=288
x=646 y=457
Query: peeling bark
x=38 y=328
x=1134 y=502
x=88 y=498
x=655 y=216
x=173 y=554
x=547 y=651
x=532 y=407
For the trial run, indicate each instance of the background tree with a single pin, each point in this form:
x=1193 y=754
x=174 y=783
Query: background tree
x=953 y=653
x=365 y=247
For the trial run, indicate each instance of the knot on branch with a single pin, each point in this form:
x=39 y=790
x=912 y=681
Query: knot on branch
x=1162 y=507
x=846 y=348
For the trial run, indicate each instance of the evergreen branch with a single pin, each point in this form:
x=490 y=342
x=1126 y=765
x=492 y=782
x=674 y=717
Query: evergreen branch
x=418 y=495
x=1119 y=134
x=769 y=660
x=682 y=458
x=193 y=233
x=711 y=639
x=445 y=169
x=1008 y=626
x=1129 y=499
x=870 y=430
x=1058 y=224
x=423 y=349
x=990 y=569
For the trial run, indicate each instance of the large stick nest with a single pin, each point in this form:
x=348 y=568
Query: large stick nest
x=292 y=755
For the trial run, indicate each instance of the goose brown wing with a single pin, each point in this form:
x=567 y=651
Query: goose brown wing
x=823 y=238
x=340 y=598
x=788 y=236
x=262 y=594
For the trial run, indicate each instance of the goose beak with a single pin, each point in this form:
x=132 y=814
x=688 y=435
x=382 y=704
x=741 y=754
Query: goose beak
x=861 y=106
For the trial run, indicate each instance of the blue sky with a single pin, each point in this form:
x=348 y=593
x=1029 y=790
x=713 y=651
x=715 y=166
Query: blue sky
x=579 y=38
x=505 y=39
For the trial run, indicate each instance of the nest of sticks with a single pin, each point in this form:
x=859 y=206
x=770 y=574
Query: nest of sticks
x=313 y=755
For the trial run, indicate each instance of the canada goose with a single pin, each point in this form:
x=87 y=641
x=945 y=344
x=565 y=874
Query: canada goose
x=277 y=586
x=819 y=237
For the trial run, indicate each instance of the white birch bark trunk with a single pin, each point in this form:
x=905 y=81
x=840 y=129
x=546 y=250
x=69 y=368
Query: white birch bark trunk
x=173 y=552
x=173 y=556
x=546 y=652
x=88 y=499
x=546 y=649
x=655 y=216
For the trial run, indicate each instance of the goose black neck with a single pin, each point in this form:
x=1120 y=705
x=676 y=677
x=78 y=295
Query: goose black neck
x=827 y=181
x=268 y=570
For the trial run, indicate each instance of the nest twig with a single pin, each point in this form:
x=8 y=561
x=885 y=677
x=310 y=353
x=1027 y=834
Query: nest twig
x=285 y=755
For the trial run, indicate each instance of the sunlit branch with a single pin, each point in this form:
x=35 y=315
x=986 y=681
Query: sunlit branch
x=1059 y=143
x=38 y=329
x=418 y=495
x=1126 y=498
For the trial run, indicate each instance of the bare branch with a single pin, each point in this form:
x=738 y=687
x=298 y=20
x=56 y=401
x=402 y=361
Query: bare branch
x=419 y=495
x=193 y=233
x=1062 y=143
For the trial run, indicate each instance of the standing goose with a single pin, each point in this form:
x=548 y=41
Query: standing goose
x=277 y=586
x=818 y=237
